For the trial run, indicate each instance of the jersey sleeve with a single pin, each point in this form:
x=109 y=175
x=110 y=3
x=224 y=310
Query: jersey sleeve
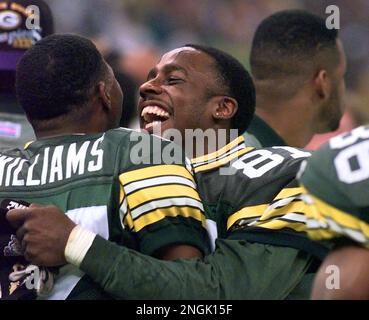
x=335 y=183
x=271 y=209
x=159 y=202
x=325 y=222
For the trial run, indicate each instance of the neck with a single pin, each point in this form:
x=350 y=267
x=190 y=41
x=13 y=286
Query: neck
x=50 y=129
x=292 y=120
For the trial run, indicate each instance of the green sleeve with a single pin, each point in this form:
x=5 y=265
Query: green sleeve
x=236 y=270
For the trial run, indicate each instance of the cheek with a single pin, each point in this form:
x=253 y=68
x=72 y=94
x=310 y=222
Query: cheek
x=120 y=95
x=343 y=88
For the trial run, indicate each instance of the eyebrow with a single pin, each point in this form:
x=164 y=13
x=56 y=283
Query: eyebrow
x=166 y=69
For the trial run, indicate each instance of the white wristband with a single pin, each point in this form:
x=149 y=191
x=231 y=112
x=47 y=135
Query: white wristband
x=79 y=241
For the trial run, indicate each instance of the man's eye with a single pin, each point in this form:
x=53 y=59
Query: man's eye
x=174 y=80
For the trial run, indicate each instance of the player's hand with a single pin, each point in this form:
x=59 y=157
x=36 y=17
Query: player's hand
x=43 y=232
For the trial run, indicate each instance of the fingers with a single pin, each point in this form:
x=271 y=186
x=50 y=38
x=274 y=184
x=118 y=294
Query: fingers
x=16 y=217
x=36 y=205
x=20 y=234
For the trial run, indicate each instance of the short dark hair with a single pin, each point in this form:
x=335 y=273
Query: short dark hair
x=56 y=75
x=288 y=43
x=238 y=83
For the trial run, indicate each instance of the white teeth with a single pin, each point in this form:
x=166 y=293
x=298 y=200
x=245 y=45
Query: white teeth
x=154 y=110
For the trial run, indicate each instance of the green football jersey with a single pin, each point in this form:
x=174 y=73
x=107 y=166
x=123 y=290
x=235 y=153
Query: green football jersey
x=105 y=184
x=252 y=194
x=336 y=179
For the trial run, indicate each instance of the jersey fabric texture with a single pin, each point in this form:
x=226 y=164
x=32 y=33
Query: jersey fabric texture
x=97 y=182
x=237 y=270
x=336 y=179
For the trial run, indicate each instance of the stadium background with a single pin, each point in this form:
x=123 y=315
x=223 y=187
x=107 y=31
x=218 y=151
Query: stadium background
x=133 y=34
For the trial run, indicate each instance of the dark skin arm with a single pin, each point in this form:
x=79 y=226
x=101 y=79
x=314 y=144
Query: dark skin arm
x=44 y=232
x=352 y=263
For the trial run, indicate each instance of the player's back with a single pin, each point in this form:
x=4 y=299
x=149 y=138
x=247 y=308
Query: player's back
x=336 y=179
x=77 y=173
x=111 y=186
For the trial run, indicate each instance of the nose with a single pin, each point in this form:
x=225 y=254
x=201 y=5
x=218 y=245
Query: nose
x=150 y=87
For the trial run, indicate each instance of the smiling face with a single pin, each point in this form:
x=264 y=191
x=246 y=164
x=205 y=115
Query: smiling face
x=178 y=92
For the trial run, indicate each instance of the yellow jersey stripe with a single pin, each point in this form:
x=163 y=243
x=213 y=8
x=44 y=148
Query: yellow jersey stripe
x=288 y=192
x=261 y=210
x=121 y=195
x=159 y=214
x=27 y=144
x=154 y=193
x=154 y=171
x=321 y=211
x=128 y=221
x=219 y=152
x=246 y=213
x=265 y=217
x=295 y=206
x=277 y=224
x=223 y=161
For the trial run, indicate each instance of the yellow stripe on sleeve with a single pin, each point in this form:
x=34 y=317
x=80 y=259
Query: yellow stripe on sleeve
x=223 y=161
x=154 y=193
x=154 y=171
x=218 y=153
x=128 y=221
x=289 y=192
x=121 y=195
x=160 y=214
x=322 y=212
x=246 y=213
x=280 y=224
x=260 y=210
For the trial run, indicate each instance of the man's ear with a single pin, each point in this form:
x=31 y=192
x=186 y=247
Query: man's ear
x=104 y=95
x=322 y=85
x=226 y=108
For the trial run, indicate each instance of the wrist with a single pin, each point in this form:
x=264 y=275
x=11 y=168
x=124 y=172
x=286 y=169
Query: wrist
x=79 y=242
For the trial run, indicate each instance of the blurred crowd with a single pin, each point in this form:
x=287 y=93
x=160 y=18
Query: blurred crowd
x=132 y=35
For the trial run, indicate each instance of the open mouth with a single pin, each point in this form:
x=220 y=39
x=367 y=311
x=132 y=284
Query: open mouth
x=153 y=116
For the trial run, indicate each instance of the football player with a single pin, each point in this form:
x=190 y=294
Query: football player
x=298 y=67
x=72 y=99
x=336 y=180
x=262 y=251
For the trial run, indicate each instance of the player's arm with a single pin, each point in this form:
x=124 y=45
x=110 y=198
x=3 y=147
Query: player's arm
x=161 y=205
x=280 y=219
x=158 y=201
x=54 y=239
x=334 y=180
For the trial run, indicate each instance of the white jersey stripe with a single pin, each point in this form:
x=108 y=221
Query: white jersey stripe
x=164 y=203
x=152 y=182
